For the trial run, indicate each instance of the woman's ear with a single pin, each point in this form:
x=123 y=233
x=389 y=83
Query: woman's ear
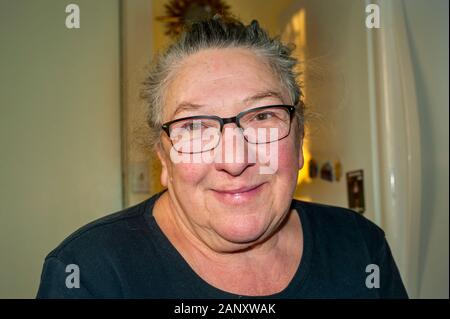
x=301 y=161
x=164 y=164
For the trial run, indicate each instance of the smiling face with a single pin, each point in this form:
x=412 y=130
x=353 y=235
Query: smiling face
x=228 y=205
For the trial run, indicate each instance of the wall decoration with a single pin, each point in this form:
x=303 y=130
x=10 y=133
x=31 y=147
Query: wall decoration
x=181 y=12
x=355 y=190
x=313 y=168
x=326 y=172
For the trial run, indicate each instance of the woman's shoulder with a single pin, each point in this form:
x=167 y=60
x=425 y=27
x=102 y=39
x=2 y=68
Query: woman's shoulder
x=333 y=214
x=338 y=222
x=343 y=243
x=109 y=231
x=106 y=252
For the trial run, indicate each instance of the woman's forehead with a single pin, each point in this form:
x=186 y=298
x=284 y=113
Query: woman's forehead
x=217 y=76
x=221 y=62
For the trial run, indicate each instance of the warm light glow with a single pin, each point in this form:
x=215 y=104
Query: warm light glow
x=296 y=32
x=299 y=27
x=303 y=175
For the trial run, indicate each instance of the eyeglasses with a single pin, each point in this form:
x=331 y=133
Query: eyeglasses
x=261 y=125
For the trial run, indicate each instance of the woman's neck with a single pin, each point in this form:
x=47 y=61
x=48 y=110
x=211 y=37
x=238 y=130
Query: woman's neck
x=260 y=269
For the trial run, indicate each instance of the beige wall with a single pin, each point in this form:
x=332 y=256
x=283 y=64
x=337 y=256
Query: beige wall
x=59 y=130
x=336 y=94
x=137 y=35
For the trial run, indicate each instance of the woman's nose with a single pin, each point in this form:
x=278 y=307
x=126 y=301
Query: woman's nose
x=233 y=156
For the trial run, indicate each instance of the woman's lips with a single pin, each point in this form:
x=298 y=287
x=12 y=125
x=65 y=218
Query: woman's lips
x=238 y=195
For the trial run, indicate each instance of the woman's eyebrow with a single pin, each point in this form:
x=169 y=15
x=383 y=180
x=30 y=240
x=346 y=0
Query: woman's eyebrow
x=188 y=106
x=263 y=95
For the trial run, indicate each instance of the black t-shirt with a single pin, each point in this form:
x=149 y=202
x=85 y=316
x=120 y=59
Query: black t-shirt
x=126 y=255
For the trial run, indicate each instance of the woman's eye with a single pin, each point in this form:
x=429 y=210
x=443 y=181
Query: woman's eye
x=263 y=116
x=193 y=126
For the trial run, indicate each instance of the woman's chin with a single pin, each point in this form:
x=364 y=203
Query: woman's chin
x=243 y=233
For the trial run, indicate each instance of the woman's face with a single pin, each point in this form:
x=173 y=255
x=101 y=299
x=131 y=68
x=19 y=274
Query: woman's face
x=229 y=204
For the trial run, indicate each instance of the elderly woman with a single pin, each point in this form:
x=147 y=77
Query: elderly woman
x=227 y=124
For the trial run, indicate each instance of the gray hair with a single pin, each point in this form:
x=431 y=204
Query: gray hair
x=215 y=33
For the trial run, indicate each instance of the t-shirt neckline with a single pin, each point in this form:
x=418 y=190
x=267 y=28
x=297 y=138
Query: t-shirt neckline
x=292 y=289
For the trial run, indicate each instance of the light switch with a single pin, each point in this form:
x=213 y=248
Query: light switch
x=139 y=177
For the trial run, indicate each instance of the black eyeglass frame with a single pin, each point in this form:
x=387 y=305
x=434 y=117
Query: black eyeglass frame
x=235 y=119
